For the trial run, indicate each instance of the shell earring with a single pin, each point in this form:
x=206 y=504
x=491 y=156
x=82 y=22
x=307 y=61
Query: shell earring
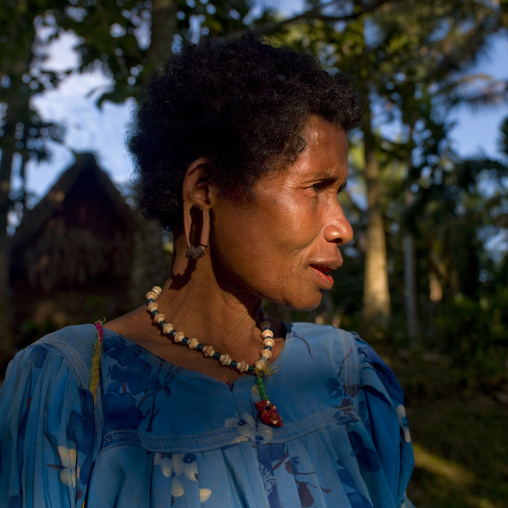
x=195 y=252
x=190 y=227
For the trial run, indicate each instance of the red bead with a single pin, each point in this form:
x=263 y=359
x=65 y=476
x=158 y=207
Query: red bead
x=268 y=413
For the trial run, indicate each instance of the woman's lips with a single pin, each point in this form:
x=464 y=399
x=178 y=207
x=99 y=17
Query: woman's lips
x=323 y=272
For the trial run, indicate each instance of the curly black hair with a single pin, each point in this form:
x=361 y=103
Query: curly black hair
x=240 y=104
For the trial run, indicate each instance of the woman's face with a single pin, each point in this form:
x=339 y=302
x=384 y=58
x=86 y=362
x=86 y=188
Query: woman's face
x=284 y=243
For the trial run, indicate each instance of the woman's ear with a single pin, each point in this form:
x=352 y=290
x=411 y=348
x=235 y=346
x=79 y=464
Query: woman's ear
x=195 y=196
x=195 y=185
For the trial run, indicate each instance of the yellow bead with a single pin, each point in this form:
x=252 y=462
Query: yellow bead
x=268 y=342
x=152 y=295
x=193 y=343
x=267 y=334
x=157 y=290
x=168 y=327
x=208 y=351
x=178 y=337
x=225 y=360
x=242 y=367
x=152 y=306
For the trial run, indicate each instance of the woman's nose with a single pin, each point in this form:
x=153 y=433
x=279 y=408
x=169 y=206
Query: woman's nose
x=339 y=230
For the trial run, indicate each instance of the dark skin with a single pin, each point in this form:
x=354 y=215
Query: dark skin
x=281 y=245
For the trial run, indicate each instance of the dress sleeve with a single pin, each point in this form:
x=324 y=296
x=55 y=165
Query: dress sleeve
x=47 y=432
x=382 y=411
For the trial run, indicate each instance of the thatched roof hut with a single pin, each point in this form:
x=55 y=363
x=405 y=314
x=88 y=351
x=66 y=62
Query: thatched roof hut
x=79 y=246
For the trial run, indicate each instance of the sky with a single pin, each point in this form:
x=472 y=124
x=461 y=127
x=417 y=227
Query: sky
x=103 y=130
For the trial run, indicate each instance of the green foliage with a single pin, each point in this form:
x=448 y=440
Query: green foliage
x=410 y=57
x=474 y=333
x=458 y=433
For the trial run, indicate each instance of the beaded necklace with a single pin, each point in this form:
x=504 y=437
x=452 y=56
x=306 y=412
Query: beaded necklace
x=267 y=410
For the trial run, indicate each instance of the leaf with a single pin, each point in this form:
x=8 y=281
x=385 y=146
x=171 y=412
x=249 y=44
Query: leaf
x=306 y=497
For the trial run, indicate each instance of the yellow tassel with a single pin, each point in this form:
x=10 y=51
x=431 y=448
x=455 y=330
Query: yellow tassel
x=267 y=371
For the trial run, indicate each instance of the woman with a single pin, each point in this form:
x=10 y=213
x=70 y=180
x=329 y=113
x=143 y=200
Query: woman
x=200 y=397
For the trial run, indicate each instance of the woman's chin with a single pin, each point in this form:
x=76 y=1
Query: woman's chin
x=305 y=308
x=301 y=304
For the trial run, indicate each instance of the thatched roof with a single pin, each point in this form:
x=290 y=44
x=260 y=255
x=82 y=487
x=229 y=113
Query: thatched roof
x=86 y=167
x=81 y=230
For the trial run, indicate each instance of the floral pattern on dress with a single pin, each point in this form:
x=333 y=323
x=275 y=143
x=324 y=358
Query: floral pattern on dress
x=69 y=468
x=176 y=464
x=250 y=429
x=132 y=388
x=355 y=498
x=80 y=431
x=162 y=422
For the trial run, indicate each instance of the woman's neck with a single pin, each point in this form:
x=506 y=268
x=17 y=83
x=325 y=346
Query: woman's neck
x=195 y=302
x=202 y=308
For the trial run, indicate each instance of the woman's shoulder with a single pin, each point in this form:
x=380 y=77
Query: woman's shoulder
x=347 y=353
x=46 y=405
x=70 y=348
x=325 y=341
x=325 y=335
x=332 y=339
x=76 y=336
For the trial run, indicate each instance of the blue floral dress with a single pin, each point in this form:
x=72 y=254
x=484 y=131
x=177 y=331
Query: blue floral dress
x=159 y=435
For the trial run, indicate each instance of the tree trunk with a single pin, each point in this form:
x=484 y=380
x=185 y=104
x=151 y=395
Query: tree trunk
x=376 y=294
x=164 y=26
x=408 y=247
x=5 y=314
x=410 y=293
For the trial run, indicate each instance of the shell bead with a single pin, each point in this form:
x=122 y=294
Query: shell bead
x=167 y=328
x=208 y=351
x=151 y=295
x=260 y=365
x=152 y=306
x=159 y=317
x=266 y=353
x=193 y=343
x=267 y=410
x=269 y=342
x=178 y=337
x=242 y=367
x=225 y=360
